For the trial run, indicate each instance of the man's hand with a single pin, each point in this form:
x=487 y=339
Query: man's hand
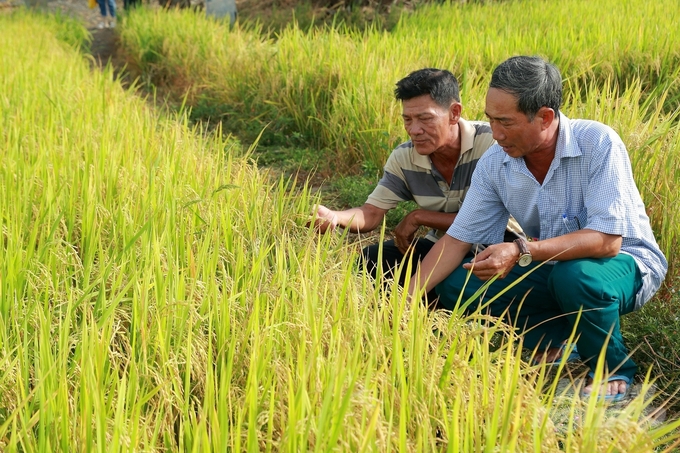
x=357 y=220
x=325 y=219
x=405 y=232
x=495 y=259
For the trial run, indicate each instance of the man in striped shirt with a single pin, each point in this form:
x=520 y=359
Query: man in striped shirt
x=434 y=169
x=570 y=186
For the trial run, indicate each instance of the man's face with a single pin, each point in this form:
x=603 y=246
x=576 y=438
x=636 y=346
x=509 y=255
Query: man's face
x=429 y=124
x=511 y=128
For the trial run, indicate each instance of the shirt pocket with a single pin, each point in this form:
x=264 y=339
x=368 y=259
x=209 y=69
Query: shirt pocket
x=573 y=223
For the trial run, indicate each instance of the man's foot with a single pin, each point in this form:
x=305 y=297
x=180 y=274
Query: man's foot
x=112 y=24
x=101 y=25
x=552 y=355
x=613 y=389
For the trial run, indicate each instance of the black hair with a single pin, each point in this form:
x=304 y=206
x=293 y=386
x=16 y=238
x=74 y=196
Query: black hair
x=535 y=82
x=440 y=84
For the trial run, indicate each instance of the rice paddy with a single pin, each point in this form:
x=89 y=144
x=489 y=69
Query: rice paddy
x=160 y=292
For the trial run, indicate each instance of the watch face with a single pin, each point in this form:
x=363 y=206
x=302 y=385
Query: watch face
x=524 y=260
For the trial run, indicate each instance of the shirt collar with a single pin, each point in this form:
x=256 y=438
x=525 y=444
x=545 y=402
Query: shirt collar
x=467 y=136
x=567 y=146
x=467 y=139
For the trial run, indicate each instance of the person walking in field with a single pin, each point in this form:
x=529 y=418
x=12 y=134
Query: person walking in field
x=569 y=184
x=434 y=169
x=105 y=5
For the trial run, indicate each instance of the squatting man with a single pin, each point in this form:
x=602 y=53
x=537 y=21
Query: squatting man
x=569 y=184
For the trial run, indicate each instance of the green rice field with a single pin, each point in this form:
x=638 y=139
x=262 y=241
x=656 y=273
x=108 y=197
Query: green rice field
x=160 y=291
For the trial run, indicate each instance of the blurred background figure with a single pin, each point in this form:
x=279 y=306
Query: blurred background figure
x=104 y=6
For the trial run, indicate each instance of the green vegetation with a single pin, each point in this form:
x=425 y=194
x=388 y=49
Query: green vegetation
x=273 y=16
x=331 y=89
x=160 y=292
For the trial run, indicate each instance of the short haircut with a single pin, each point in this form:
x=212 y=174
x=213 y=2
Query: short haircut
x=440 y=84
x=535 y=82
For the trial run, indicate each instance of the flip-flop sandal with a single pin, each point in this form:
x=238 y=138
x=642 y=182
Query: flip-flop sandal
x=609 y=398
x=572 y=357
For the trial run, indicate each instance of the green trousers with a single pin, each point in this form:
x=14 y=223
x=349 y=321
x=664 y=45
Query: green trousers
x=604 y=289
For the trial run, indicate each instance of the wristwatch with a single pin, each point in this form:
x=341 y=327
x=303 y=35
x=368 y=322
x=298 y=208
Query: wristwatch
x=525 y=257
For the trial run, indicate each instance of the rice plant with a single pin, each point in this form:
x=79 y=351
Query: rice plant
x=159 y=292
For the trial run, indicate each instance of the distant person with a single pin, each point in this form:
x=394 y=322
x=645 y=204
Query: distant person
x=570 y=186
x=105 y=5
x=434 y=169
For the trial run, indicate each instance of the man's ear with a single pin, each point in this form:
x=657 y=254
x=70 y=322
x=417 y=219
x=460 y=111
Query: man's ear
x=547 y=116
x=454 y=112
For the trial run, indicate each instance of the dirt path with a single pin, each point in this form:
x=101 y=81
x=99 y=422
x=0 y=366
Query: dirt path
x=104 y=51
x=104 y=47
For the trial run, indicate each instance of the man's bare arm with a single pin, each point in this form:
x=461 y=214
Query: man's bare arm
x=444 y=257
x=405 y=231
x=358 y=220
x=579 y=244
x=500 y=258
x=431 y=219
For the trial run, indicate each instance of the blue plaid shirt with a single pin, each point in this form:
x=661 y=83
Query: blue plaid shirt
x=589 y=185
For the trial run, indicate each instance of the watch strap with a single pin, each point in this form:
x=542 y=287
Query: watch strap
x=523 y=248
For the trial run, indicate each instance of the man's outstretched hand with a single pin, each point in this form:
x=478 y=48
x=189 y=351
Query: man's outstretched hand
x=326 y=220
x=496 y=259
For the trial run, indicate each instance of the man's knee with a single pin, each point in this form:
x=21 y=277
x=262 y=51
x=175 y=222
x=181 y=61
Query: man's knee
x=370 y=253
x=369 y=259
x=450 y=289
x=573 y=285
x=596 y=283
x=384 y=257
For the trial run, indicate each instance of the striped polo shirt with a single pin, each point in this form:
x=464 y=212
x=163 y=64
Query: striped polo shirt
x=409 y=176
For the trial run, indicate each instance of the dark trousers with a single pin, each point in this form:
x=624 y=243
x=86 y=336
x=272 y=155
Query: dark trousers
x=546 y=304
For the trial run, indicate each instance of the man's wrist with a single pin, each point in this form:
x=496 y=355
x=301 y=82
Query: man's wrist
x=524 y=257
x=415 y=216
